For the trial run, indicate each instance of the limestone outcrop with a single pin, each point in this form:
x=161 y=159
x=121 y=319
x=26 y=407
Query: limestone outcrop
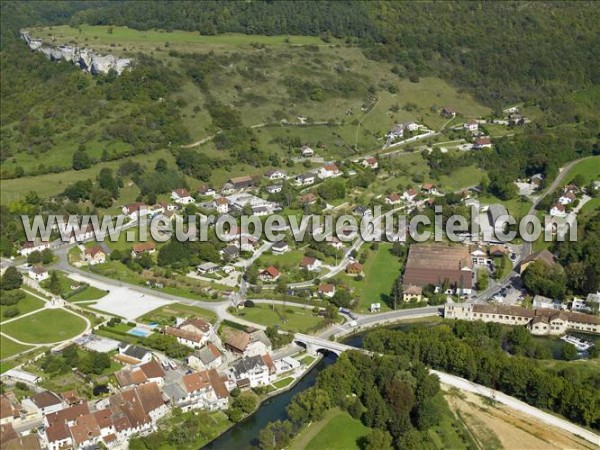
x=85 y=58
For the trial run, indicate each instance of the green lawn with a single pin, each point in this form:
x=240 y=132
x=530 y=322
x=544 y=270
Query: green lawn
x=308 y=360
x=515 y=207
x=291 y=318
x=89 y=293
x=50 y=325
x=381 y=269
x=163 y=314
x=461 y=178
x=589 y=169
x=337 y=430
x=283 y=382
x=25 y=305
x=10 y=348
x=289 y=260
x=451 y=431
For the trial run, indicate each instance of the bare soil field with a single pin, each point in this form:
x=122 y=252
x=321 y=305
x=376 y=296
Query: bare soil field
x=497 y=426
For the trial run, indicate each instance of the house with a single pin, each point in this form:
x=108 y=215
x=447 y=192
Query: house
x=274 y=189
x=94 y=255
x=498 y=251
x=370 y=163
x=410 y=126
x=307 y=199
x=412 y=293
x=79 y=235
x=539 y=321
x=539 y=301
x=253 y=371
x=479 y=257
x=482 y=143
x=275 y=174
x=395 y=133
x=135 y=210
x=132 y=354
x=71 y=398
x=448 y=112
x=305 y=179
x=206 y=190
x=242 y=183
x=221 y=204
x=248 y=344
x=143 y=247
x=543 y=256
x=207 y=267
x=334 y=242
x=33 y=246
x=537 y=179
x=409 y=195
x=310 y=263
x=393 y=199
x=354 y=269
x=471 y=125
x=516 y=118
x=190 y=338
x=326 y=290
x=280 y=247
x=558 y=210
x=438 y=265
x=307 y=152
x=428 y=188
x=197 y=325
x=182 y=196
x=45 y=402
x=328 y=171
x=269 y=275
x=38 y=273
x=208 y=357
x=567 y=198
x=230 y=253
x=9 y=410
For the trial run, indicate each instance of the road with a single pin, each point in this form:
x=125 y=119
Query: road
x=466 y=385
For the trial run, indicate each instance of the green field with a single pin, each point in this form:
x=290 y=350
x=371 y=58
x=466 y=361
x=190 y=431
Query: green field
x=589 y=169
x=48 y=326
x=336 y=431
x=25 y=305
x=289 y=260
x=283 y=382
x=89 y=293
x=164 y=314
x=291 y=318
x=10 y=348
x=381 y=269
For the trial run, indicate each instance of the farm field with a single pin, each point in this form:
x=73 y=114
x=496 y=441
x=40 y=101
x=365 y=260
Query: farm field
x=48 y=326
x=289 y=318
x=381 y=269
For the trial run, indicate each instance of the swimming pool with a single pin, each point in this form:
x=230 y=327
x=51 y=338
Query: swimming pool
x=140 y=332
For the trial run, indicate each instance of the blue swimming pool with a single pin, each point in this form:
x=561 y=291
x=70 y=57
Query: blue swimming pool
x=140 y=332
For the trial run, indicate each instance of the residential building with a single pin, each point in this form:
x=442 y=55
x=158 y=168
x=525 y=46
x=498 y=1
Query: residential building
x=253 y=371
x=206 y=190
x=326 y=290
x=307 y=152
x=471 y=125
x=207 y=267
x=305 y=179
x=135 y=210
x=310 y=263
x=409 y=195
x=275 y=174
x=567 y=198
x=221 y=204
x=94 y=255
x=45 y=402
x=280 y=247
x=189 y=338
x=448 y=112
x=395 y=133
x=270 y=274
x=230 y=253
x=558 y=210
x=412 y=293
x=328 y=171
x=482 y=143
x=33 y=246
x=429 y=188
x=133 y=354
x=242 y=183
x=181 y=196
x=307 y=199
x=274 y=188
x=248 y=344
x=208 y=357
x=393 y=199
x=370 y=163
x=141 y=248
x=38 y=273
x=354 y=268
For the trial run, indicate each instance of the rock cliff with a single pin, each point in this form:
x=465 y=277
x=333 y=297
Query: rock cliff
x=84 y=58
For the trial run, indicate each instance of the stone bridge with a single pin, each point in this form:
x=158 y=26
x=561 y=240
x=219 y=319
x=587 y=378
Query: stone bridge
x=315 y=344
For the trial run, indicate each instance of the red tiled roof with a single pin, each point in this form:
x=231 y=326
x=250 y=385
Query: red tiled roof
x=307 y=261
x=271 y=271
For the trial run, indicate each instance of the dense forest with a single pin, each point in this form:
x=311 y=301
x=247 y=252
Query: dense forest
x=472 y=350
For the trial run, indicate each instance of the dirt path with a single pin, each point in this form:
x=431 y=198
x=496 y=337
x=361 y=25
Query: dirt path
x=497 y=426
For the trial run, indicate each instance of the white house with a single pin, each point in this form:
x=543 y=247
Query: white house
x=279 y=248
x=393 y=199
x=38 y=273
x=326 y=290
x=275 y=174
x=135 y=210
x=409 y=195
x=248 y=344
x=253 y=371
x=328 y=171
x=208 y=357
x=221 y=204
x=274 y=188
x=396 y=132
x=310 y=263
x=471 y=125
x=567 y=198
x=307 y=152
x=182 y=196
x=370 y=162
x=558 y=210
x=410 y=126
x=30 y=247
x=305 y=179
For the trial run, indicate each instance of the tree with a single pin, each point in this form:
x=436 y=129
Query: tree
x=34 y=257
x=396 y=295
x=11 y=279
x=54 y=283
x=569 y=352
x=161 y=166
x=378 y=440
x=47 y=256
x=11 y=311
x=81 y=160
